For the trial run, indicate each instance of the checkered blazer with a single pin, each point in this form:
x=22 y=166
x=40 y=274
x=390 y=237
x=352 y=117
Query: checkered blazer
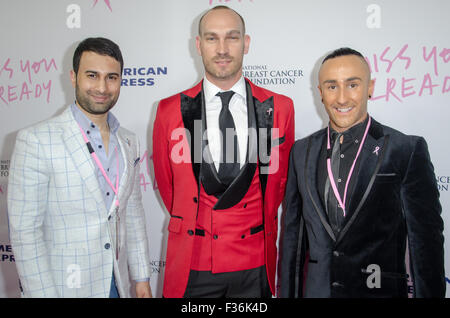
x=63 y=238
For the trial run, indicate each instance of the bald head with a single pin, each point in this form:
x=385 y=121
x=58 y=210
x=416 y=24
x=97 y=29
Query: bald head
x=222 y=44
x=216 y=10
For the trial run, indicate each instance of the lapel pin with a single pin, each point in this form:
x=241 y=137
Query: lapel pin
x=376 y=150
x=269 y=111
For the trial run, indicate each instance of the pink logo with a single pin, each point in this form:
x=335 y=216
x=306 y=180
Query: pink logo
x=107 y=4
x=376 y=150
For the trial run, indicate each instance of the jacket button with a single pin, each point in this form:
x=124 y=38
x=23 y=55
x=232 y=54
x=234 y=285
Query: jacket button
x=336 y=253
x=190 y=232
x=215 y=236
x=107 y=246
x=336 y=284
x=195 y=200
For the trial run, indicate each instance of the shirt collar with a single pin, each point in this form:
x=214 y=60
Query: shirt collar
x=87 y=124
x=354 y=132
x=210 y=90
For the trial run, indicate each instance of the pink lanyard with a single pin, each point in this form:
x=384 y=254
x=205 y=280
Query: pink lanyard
x=330 y=172
x=100 y=166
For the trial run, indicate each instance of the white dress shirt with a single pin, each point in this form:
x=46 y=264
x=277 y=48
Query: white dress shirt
x=238 y=109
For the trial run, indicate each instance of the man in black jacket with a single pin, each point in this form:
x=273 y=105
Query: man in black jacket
x=358 y=193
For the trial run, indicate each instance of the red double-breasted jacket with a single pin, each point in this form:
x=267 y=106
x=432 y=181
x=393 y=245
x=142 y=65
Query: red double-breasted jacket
x=177 y=153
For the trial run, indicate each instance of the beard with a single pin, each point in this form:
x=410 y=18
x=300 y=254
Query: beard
x=92 y=107
x=217 y=72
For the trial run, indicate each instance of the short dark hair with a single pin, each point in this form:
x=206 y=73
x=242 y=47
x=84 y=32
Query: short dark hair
x=342 y=52
x=218 y=8
x=100 y=46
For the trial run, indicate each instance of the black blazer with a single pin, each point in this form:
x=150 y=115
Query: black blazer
x=395 y=200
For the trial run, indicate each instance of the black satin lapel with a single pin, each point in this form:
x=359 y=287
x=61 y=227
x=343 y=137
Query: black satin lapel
x=191 y=112
x=210 y=180
x=371 y=159
x=264 y=122
x=310 y=175
x=239 y=187
x=366 y=168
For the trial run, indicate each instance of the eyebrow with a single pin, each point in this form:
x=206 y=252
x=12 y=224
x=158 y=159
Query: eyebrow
x=350 y=79
x=234 y=31
x=228 y=33
x=354 y=78
x=96 y=72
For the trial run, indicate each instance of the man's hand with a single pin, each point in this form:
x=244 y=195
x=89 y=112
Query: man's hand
x=143 y=290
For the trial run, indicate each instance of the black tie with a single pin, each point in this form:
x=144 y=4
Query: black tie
x=229 y=163
x=335 y=213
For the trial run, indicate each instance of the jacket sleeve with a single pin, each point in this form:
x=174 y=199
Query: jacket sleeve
x=292 y=236
x=161 y=158
x=290 y=126
x=27 y=205
x=420 y=199
x=137 y=242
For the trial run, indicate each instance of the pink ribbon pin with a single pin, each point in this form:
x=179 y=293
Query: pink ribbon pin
x=376 y=150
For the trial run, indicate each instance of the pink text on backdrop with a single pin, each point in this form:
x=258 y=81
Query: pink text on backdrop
x=444 y=55
x=384 y=57
x=399 y=88
x=5 y=68
x=107 y=4
x=18 y=90
x=17 y=93
x=405 y=87
x=36 y=67
x=145 y=178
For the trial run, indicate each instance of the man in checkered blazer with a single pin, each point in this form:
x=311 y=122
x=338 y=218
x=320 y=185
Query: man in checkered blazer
x=74 y=200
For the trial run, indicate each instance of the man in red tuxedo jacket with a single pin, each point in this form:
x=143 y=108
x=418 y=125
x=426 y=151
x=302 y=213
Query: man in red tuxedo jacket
x=222 y=194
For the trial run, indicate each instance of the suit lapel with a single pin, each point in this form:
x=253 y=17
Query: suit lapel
x=370 y=161
x=315 y=143
x=263 y=111
x=126 y=151
x=191 y=113
x=78 y=152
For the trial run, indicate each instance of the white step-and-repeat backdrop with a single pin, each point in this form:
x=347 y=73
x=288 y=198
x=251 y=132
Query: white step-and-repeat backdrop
x=406 y=43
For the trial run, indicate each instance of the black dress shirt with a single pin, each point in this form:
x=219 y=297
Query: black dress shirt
x=349 y=147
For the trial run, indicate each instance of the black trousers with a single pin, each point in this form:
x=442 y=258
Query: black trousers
x=251 y=283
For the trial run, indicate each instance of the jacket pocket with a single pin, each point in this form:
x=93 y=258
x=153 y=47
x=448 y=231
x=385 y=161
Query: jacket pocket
x=175 y=224
x=278 y=141
x=387 y=177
